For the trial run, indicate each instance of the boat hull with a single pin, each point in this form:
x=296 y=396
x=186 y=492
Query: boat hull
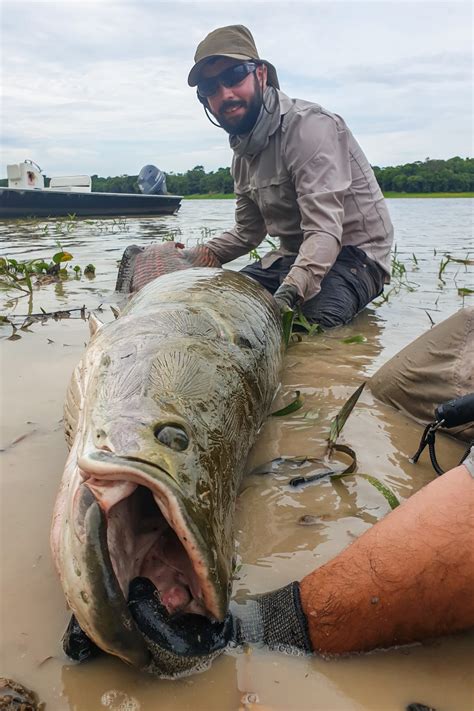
x=16 y=203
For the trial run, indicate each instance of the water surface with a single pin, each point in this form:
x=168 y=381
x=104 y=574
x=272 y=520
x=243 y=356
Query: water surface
x=272 y=548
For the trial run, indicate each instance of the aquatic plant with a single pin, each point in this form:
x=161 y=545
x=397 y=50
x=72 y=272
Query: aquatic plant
x=19 y=274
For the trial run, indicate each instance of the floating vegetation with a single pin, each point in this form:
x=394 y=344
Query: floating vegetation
x=254 y=254
x=358 y=338
x=302 y=322
x=447 y=259
x=295 y=405
x=329 y=472
x=287 y=325
x=19 y=275
x=171 y=235
x=393 y=502
x=341 y=418
x=64 y=226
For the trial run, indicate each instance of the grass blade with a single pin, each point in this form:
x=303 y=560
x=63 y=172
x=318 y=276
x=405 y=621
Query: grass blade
x=287 y=325
x=341 y=418
x=393 y=502
x=292 y=407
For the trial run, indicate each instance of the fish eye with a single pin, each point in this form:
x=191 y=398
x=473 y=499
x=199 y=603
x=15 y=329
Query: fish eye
x=172 y=436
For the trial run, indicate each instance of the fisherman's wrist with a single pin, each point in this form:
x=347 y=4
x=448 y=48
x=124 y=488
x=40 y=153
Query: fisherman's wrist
x=274 y=619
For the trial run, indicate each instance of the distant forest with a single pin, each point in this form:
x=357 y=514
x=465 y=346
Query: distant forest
x=455 y=175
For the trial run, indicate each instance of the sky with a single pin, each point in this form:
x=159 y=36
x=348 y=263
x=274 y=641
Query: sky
x=100 y=86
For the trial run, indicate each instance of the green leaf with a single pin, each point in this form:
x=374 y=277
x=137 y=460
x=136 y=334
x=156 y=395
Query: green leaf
x=340 y=420
x=464 y=291
x=292 y=407
x=384 y=490
x=359 y=338
x=61 y=257
x=287 y=324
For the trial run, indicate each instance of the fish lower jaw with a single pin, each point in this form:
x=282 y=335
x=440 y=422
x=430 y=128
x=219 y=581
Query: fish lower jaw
x=147 y=537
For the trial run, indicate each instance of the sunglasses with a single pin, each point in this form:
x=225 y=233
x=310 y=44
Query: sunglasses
x=229 y=77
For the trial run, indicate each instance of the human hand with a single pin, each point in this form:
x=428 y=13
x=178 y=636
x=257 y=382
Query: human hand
x=179 y=644
x=200 y=256
x=182 y=642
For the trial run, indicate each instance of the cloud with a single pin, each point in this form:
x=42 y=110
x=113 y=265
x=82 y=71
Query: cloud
x=99 y=86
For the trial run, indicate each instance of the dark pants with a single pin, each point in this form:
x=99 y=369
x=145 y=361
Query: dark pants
x=352 y=283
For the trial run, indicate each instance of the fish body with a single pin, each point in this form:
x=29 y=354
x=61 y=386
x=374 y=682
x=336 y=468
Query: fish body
x=160 y=415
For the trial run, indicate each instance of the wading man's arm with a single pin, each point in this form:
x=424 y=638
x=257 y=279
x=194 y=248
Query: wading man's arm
x=409 y=578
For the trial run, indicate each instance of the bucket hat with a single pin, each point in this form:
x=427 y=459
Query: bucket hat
x=234 y=41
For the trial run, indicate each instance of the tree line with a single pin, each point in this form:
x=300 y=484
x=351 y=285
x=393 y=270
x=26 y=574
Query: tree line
x=429 y=176
x=455 y=175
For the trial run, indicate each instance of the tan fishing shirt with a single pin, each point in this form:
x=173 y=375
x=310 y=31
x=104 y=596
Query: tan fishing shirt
x=313 y=188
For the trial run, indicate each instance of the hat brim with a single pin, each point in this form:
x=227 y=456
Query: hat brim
x=195 y=73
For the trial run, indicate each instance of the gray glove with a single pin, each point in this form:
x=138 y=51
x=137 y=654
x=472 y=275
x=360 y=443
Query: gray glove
x=286 y=297
x=274 y=619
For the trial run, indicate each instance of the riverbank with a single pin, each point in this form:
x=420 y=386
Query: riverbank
x=391 y=195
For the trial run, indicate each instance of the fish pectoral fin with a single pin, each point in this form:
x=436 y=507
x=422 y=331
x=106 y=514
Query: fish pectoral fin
x=95 y=324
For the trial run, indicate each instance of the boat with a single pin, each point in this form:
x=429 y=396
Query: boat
x=26 y=195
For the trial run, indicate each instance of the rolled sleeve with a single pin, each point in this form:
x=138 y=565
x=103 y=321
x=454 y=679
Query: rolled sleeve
x=318 y=158
x=248 y=232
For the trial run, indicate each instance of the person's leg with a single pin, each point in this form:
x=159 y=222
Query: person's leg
x=352 y=283
x=272 y=276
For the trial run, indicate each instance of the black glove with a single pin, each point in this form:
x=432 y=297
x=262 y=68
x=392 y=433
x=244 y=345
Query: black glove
x=179 y=644
x=183 y=643
x=286 y=297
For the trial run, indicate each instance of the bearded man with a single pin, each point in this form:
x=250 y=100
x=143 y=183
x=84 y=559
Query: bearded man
x=299 y=176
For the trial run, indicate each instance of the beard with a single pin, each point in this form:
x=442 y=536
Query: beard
x=244 y=124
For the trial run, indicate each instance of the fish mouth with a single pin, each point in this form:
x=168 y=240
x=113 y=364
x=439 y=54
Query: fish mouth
x=148 y=532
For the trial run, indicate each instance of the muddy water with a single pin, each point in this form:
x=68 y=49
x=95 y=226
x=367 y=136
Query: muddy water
x=272 y=547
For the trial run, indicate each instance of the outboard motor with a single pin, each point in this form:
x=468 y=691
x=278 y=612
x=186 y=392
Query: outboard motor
x=152 y=181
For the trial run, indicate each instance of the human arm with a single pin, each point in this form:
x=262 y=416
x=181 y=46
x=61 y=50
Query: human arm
x=408 y=578
x=248 y=232
x=316 y=151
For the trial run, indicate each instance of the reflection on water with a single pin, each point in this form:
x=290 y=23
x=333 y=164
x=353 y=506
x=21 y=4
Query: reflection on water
x=271 y=545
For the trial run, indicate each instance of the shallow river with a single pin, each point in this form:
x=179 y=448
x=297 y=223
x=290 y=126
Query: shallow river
x=272 y=548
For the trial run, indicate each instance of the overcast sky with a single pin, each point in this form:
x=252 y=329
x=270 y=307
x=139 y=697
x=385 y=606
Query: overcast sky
x=100 y=86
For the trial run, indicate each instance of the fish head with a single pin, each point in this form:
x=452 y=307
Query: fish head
x=152 y=487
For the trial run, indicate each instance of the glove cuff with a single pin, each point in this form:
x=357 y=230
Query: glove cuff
x=275 y=619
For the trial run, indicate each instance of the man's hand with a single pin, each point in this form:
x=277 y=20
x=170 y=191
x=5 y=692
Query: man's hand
x=286 y=297
x=200 y=256
x=274 y=619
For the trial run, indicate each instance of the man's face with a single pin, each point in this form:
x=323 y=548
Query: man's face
x=237 y=107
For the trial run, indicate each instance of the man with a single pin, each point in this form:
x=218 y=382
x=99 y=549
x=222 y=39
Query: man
x=300 y=176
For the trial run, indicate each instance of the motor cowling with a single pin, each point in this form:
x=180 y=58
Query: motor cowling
x=152 y=180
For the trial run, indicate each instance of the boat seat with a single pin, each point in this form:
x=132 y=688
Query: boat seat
x=71 y=183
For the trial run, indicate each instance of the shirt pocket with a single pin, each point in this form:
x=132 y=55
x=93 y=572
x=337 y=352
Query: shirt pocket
x=276 y=199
